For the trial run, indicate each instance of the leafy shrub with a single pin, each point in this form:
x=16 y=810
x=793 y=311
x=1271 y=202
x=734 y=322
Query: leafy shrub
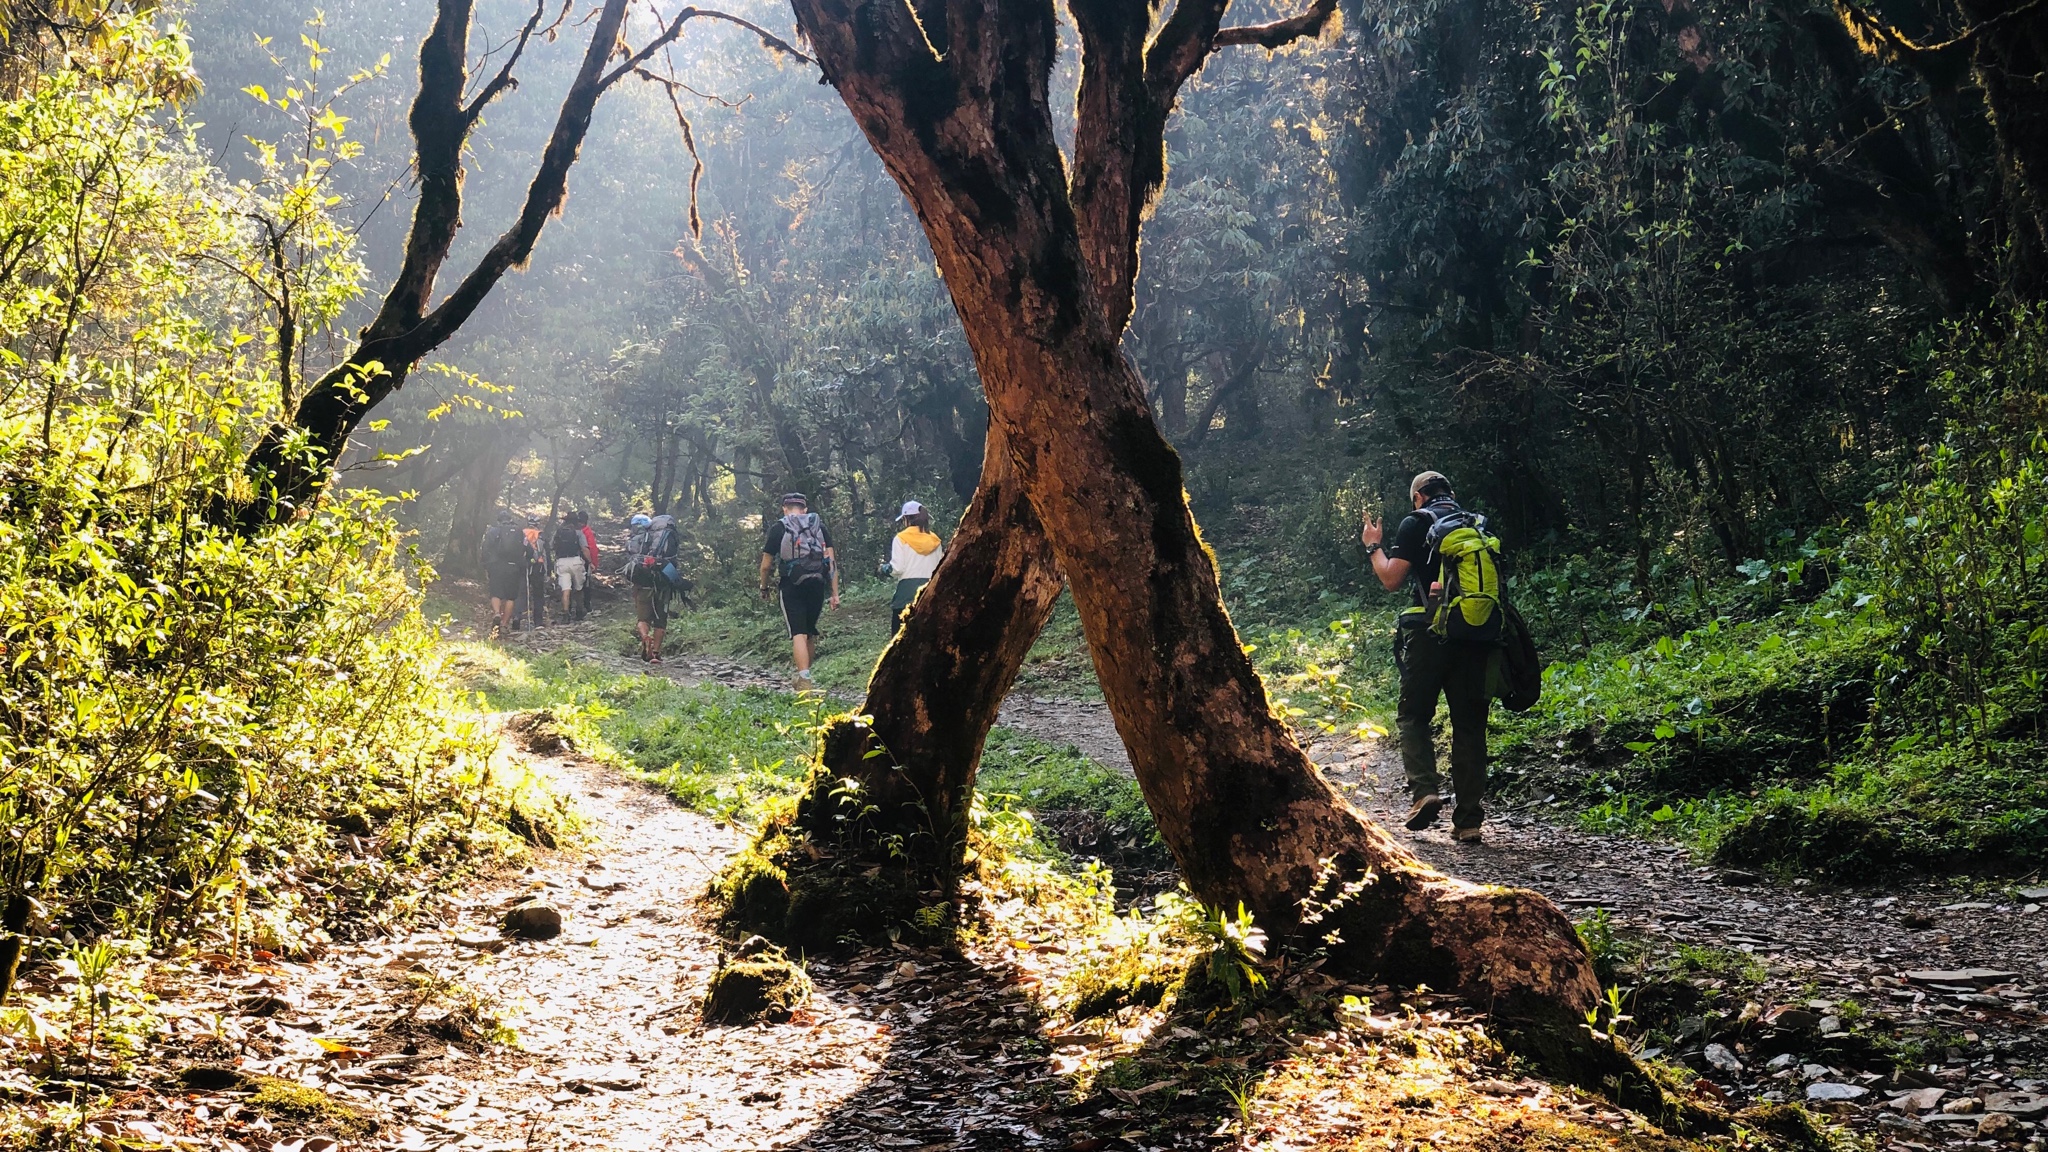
x=195 y=726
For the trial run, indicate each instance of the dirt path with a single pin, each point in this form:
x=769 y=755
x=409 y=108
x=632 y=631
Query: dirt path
x=899 y=1047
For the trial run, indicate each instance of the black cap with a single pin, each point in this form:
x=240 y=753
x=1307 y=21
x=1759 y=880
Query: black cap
x=794 y=498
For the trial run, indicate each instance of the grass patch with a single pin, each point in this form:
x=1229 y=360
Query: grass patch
x=734 y=753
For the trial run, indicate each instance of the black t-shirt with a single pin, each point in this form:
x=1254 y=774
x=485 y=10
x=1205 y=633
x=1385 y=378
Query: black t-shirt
x=1411 y=543
x=568 y=542
x=772 y=546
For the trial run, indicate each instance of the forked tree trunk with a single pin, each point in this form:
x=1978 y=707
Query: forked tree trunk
x=881 y=830
x=954 y=100
x=936 y=690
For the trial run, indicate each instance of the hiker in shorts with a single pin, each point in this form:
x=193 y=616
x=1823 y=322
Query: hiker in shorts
x=571 y=569
x=650 y=602
x=504 y=557
x=798 y=550
x=1431 y=666
x=913 y=556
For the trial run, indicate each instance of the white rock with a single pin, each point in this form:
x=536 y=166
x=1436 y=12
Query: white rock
x=1827 y=1090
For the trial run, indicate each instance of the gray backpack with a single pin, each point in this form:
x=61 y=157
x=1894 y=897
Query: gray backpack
x=803 y=551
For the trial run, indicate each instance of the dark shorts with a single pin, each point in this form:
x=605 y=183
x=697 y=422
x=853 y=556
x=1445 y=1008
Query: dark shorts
x=650 y=605
x=506 y=580
x=801 y=607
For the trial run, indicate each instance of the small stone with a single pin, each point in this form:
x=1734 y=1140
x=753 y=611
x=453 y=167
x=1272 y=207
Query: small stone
x=1782 y=1061
x=1963 y=1106
x=533 y=920
x=1816 y=1071
x=1915 y=921
x=1737 y=877
x=1981 y=977
x=1917 y=1100
x=1722 y=1058
x=1831 y=1025
x=2033 y=893
x=1828 y=1090
x=1999 y=1126
x=1792 y=1019
x=1905 y=1124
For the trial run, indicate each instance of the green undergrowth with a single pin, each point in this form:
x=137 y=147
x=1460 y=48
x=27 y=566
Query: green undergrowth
x=735 y=754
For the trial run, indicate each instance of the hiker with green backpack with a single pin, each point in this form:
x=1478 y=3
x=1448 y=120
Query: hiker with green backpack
x=1459 y=640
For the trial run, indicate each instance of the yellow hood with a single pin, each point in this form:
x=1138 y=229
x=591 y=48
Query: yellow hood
x=921 y=542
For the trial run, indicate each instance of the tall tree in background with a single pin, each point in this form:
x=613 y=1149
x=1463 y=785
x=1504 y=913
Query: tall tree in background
x=954 y=97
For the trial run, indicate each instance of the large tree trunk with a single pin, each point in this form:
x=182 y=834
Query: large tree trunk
x=894 y=783
x=955 y=103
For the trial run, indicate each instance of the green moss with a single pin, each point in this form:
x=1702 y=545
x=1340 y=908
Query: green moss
x=764 y=986
x=297 y=1108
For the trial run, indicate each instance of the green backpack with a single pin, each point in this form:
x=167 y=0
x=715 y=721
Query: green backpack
x=1468 y=566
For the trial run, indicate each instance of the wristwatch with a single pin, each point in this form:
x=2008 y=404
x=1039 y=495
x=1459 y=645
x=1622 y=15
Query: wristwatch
x=1373 y=547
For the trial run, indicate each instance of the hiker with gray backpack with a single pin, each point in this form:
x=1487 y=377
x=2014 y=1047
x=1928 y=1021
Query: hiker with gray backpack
x=798 y=552
x=652 y=545
x=1459 y=639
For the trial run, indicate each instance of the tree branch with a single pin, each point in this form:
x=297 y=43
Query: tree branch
x=1280 y=33
x=769 y=40
x=543 y=197
x=1877 y=28
x=504 y=80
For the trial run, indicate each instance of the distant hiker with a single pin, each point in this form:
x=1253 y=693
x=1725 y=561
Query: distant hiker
x=913 y=556
x=571 y=569
x=1443 y=645
x=799 y=550
x=591 y=559
x=539 y=575
x=650 y=601
x=504 y=557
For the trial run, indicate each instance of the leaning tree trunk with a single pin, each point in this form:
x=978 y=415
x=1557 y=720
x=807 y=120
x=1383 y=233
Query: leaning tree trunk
x=954 y=101
x=883 y=822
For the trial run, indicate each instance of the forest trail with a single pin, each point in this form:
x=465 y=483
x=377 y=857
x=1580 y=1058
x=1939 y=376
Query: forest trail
x=1815 y=949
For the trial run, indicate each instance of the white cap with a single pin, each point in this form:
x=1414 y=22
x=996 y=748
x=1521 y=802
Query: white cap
x=910 y=508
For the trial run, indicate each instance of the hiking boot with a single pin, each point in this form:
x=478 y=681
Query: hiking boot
x=1466 y=836
x=1424 y=813
x=804 y=683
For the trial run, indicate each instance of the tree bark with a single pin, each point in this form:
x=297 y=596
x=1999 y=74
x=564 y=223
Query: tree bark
x=882 y=828
x=937 y=687
x=1041 y=280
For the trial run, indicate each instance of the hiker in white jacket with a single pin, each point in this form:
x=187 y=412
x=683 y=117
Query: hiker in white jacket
x=913 y=556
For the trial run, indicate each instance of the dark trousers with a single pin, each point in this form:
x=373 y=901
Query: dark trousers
x=906 y=591
x=1431 y=667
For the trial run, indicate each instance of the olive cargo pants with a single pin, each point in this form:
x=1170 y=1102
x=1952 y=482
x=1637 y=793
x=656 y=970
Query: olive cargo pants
x=1458 y=672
